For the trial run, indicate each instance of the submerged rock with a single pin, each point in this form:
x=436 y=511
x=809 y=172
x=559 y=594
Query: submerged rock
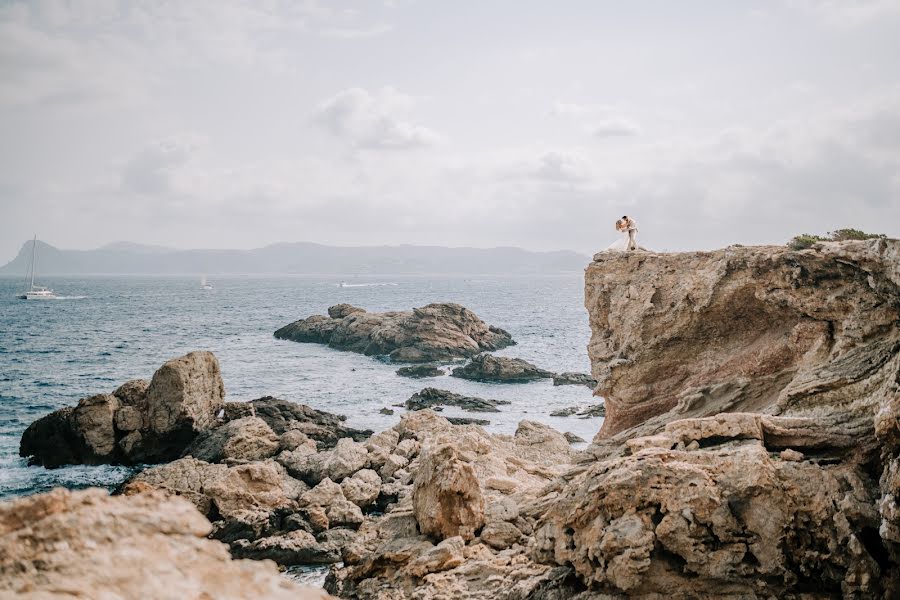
x=433 y=397
x=87 y=544
x=584 y=412
x=499 y=369
x=420 y=371
x=432 y=333
x=138 y=423
x=468 y=421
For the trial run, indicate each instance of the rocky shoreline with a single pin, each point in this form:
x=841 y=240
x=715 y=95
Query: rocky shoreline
x=751 y=449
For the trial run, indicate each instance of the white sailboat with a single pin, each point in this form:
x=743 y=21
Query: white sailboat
x=204 y=285
x=36 y=292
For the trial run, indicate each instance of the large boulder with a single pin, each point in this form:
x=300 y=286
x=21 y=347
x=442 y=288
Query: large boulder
x=345 y=459
x=86 y=544
x=432 y=333
x=499 y=369
x=139 y=422
x=447 y=498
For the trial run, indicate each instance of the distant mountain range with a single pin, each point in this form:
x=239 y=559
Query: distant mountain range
x=296 y=258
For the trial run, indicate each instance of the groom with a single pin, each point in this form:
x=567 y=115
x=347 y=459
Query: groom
x=630 y=224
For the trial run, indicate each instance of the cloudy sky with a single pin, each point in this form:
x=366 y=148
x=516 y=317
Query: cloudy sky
x=207 y=123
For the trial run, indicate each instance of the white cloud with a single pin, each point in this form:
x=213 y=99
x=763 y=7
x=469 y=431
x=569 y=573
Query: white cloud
x=373 y=120
x=844 y=13
x=617 y=127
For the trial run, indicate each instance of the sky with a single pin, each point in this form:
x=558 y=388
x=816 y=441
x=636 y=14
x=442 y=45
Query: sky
x=238 y=124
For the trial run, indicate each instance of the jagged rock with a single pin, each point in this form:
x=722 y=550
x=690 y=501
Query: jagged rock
x=447 y=498
x=432 y=397
x=739 y=329
x=386 y=411
x=324 y=494
x=293 y=548
x=572 y=438
x=294 y=440
x=468 y=421
x=540 y=443
x=487 y=367
x=500 y=535
x=570 y=378
x=431 y=333
x=343 y=513
x=246 y=439
x=583 y=412
x=186 y=477
x=345 y=459
x=339 y=311
x=282 y=416
x=73 y=544
x=138 y=423
x=362 y=488
x=446 y=555
x=420 y=371
x=392 y=464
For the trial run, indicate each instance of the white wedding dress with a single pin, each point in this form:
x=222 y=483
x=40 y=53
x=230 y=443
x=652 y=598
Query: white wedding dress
x=620 y=245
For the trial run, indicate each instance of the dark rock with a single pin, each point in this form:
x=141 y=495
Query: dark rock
x=433 y=397
x=323 y=427
x=574 y=379
x=564 y=412
x=434 y=332
x=487 y=367
x=573 y=439
x=293 y=548
x=386 y=411
x=583 y=412
x=467 y=421
x=420 y=371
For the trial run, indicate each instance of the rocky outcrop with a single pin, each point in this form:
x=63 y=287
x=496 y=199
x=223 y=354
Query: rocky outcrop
x=570 y=378
x=432 y=397
x=87 y=544
x=432 y=333
x=420 y=371
x=245 y=439
x=582 y=412
x=140 y=422
x=499 y=369
x=281 y=416
x=741 y=329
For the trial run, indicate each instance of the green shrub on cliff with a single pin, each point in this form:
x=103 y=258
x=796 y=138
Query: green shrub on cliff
x=806 y=240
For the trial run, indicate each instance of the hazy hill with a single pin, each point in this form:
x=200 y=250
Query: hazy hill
x=301 y=258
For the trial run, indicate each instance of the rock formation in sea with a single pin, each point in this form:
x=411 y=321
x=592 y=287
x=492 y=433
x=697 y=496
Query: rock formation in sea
x=500 y=369
x=179 y=408
x=86 y=544
x=434 y=332
x=432 y=397
x=420 y=371
x=570 y=378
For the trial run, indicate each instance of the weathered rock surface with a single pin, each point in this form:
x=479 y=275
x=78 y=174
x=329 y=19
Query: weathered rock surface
x=432 y=397
x=86 y=544
x=431 y=333
x=245 y=439
x=740 y=329
x=499 y=369
x=139 y=422
x=582 y=412
x=570 y=378
x=420 y=371
x=282 y=416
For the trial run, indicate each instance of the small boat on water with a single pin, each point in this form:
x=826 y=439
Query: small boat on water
x=36 y=292
x=204 y=285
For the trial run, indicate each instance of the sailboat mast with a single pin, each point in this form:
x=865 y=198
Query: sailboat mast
x=33 y=255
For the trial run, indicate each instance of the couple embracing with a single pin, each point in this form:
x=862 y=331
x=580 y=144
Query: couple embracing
x=628 y=228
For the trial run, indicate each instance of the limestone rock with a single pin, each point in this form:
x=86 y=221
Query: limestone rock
x=345 y=459
x=487 y=367
x=431 y=397
x=362 y=488
x=343 y=513
x=294 y=440
x=431 y=333
x=185 y=394
x=65 y=544
x=447 y=498
x=292 y=548
x=324 y=494
x=246 y=439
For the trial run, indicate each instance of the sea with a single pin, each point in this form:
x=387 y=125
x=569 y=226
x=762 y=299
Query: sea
x=105 y=330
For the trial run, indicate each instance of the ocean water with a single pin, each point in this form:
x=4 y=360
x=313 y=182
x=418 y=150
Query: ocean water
x=106 y=330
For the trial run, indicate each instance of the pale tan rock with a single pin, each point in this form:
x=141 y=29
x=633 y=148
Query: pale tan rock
x=66 y=544
x=446 y=555
x=500 y=535
x=362 y=488
x=446 y=497
x=791 y=455
x=392 y=464
x=343 y=513
x=341 y=462
x=246 y=439
x=294 y=441
x=94 y=418
x=186 y=477
x=129 y=418
x=186 y=392
x=325 y=493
